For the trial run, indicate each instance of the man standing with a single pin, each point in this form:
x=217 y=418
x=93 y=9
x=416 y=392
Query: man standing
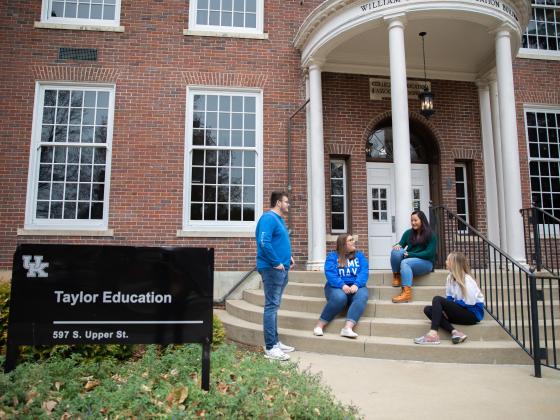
x=274 y=260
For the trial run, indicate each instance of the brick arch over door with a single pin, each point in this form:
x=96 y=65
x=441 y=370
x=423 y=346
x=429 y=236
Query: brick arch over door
x=432 y=141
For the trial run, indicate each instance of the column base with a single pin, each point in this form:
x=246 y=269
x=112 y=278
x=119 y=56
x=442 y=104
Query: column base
x=315 y=265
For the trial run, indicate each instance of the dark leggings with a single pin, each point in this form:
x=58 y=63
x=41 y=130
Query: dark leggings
x=453 y=313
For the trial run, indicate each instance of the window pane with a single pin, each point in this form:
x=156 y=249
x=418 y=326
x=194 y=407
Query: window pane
x=224 y=171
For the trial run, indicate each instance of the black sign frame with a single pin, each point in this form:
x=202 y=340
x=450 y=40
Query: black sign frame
x=105 y=294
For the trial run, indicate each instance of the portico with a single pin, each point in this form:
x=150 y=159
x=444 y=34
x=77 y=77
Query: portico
x=380 y=38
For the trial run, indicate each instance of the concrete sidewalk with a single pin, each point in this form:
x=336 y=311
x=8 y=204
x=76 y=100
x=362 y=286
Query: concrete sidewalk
x=390 y=389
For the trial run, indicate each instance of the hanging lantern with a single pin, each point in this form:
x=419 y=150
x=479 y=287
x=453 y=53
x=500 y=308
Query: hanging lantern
x=426 y=97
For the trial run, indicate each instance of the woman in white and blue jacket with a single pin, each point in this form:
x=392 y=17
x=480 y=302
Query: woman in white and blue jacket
x=346 y=271
x=463 y=304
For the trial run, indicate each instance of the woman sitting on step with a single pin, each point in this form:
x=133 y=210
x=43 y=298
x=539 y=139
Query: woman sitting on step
x=347 y=273
x=464 y=303
x=413 y=255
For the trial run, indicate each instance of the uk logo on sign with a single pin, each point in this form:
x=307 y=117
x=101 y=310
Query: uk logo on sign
x=35 y=268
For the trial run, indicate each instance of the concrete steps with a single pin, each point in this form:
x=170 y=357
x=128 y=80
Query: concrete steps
x=386 y=329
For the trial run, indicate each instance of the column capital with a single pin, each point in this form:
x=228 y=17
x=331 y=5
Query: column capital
x=395 y=20
x=316 y=64
x=503 y=30
x=482 y=84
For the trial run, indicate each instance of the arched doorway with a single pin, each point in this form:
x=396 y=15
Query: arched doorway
x=424 y=153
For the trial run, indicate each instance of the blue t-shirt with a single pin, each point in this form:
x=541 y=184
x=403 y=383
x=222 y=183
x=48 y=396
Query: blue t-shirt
x=355 y=271
x=273 y=242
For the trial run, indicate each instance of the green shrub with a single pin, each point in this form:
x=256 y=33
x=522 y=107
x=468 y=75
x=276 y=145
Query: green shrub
x=165 y=382
x=4 y=311
x=219 y=332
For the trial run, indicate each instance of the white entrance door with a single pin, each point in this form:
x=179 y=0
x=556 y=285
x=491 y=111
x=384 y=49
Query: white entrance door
x=381 y=207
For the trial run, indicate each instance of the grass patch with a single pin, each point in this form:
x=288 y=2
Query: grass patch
x=165 y=382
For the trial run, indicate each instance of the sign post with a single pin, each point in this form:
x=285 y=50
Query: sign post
x=85 y=294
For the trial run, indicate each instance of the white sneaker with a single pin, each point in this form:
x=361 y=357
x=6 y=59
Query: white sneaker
x=284 y=347
x=318 y=331
x=347 y=332
x=276 y=354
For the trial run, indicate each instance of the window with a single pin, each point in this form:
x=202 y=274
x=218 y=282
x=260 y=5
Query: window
x=379 y=204
x=543 y=31
x=379 y=146
x=237 y=16
x=339 y=197
x=82 y=12
x=462 y=194
x=71 y=155
x=543 y=132
x=223 y=181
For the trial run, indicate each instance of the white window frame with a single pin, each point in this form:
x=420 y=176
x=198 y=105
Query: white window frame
x=31 y=221
x=344 y=194
x=197 y=29
x=542 y=54
x=46 y=18
x=465 y=182
x=546 y=110
x=218 y=227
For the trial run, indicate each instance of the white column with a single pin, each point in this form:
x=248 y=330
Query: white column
x=308 y=172
x=498 y=161
x=489 y=167
x=317 y=205
x=510 y=148
x=401 y=134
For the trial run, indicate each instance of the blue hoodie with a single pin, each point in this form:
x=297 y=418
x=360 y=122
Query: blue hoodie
x=273 y=242
x=355 y=271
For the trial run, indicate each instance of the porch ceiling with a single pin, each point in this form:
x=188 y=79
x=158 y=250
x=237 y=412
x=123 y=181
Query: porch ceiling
x=455 y=50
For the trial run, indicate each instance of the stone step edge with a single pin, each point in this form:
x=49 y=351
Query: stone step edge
x=244 y=305
x=422 y=303
x=471 y=344
x=372 y=325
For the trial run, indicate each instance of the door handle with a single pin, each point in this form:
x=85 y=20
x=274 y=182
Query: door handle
x=393 y=224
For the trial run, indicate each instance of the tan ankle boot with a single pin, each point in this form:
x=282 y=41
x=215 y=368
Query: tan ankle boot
x=396 y=280
x=405 y=296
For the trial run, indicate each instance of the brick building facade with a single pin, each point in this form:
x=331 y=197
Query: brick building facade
x=161 y=65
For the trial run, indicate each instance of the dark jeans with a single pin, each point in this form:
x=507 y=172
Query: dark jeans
x=274 y=283
x=337 y=300
x=452 y=311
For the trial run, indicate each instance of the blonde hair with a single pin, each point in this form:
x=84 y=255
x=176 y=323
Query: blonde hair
x=341 y=249
x=459 y=268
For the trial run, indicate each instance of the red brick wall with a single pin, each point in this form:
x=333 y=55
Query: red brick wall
x=537 y=82
x=151 y=64
x=350 y=116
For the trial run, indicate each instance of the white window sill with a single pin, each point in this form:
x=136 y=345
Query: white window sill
x=190 y=32
x=216 y=234
x=71 y=26
x=64 y=232
x=332 y=237
x=538 y=54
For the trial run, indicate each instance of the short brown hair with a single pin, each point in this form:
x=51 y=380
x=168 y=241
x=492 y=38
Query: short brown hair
x=275 y=196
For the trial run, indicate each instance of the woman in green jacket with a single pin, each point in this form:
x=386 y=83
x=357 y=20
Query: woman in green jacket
x=413 y=255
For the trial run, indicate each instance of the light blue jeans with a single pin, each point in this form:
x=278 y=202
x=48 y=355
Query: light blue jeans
x=337 y=300
x=274 y=283
x=409 y=267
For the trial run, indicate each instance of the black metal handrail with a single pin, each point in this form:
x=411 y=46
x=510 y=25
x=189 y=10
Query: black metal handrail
x=524 y=305
x=222 y=300
x=542 y=239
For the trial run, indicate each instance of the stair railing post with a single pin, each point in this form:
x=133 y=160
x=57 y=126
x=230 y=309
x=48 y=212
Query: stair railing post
x=535 y=323
x=537 y=237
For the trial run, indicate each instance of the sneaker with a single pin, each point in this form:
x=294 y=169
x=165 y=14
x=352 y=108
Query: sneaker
x=318 y=331
x=347 y=332
x=458 y=337
x=285 y=348
x=276 y=354
x=427 y=339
